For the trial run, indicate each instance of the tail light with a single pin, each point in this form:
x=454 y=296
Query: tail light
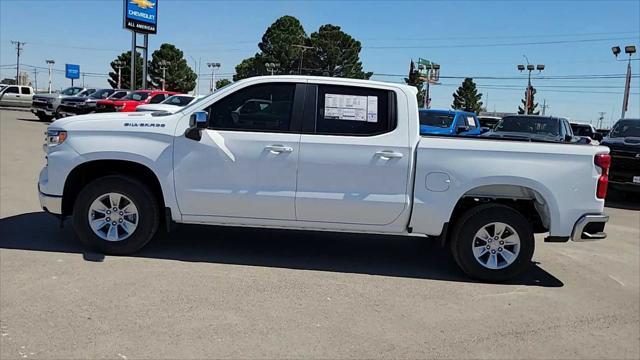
x=603 y=161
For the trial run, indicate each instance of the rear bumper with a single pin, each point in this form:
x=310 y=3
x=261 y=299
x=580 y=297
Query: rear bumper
x=590 y=228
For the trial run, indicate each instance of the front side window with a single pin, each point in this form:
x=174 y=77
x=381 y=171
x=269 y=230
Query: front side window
x=71 y=91
x=178 y=100
x=11 y=90
x=356 y=111
x=626 y=128
x=264 y=107
x=157 y=99
x=118 y=95
x=471 y=122
x=101 y=94
x=137 y=96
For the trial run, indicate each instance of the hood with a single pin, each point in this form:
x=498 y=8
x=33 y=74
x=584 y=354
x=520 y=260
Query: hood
x=48 y=96
x=78 y=98
x=101 y=122
x=159 y=107
x=622 y=143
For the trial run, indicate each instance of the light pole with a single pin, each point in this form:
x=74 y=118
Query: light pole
x=119 y=65
x=49 y=65
x=529 y=91
x=271 y=67
x=431 y=72
x=213 y=67
x=302 y=48
x=164 y=65
x=629 y=50
x=196 y=65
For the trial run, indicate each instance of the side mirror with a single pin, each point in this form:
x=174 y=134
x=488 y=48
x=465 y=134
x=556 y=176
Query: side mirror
x=461 y=129
x=568 y=137
x=198 y=121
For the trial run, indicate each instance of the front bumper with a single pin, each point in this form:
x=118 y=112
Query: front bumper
x=50 y=203
x=590 y=228
x=45 y=111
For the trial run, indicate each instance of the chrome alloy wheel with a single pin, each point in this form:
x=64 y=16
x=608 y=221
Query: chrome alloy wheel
x=113 y=217
x=496 y=245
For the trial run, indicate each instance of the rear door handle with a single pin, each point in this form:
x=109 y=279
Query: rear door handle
x=278 y=149
x=388 y=154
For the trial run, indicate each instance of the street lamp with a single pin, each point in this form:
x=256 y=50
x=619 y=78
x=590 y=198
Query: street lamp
x=271 y=67
x=213 y=67
x=529 y=91
x=629 y=50
x=119 y=65
x=164 y=65
x=49 y=65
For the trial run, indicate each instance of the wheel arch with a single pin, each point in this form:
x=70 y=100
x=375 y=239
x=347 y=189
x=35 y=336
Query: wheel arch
x=84 y=173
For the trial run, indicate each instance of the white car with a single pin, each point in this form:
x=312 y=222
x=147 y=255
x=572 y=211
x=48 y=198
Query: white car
x=335 y=155
x=171 y=104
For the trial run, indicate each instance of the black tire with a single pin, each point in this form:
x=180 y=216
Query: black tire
x=140 y=195
x=463 y=238
x=43 y=117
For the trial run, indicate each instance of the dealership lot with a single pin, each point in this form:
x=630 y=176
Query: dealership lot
x=250 y=293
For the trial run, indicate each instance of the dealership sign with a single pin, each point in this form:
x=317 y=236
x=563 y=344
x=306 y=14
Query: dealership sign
x=72 y=71
x=141 y=15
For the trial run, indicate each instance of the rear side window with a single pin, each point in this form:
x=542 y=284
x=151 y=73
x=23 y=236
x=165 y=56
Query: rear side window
x=26 y=91
x=356 y=111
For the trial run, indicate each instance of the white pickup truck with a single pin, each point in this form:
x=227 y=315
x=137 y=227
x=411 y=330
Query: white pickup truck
x=318 y=153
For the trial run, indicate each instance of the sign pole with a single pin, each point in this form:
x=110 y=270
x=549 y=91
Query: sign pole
x=132 y=85
x=144 y=61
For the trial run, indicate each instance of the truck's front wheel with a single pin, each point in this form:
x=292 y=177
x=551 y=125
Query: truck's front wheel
x=116 y=215
x=493 y=242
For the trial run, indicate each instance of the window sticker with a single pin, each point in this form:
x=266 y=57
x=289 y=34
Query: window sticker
x=472 y=121
x=351 y=107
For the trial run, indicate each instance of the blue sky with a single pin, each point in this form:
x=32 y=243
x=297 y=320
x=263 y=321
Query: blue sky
x=466 y=38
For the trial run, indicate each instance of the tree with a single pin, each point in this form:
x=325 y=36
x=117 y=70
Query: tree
x=179 y=76
x=467 y=97
x=532 y=104
x=414 y=80
x=8 y=81
x=335 y=53
x=125 y=59
x=222 y=83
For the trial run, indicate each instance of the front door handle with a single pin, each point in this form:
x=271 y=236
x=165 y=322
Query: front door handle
x=388 y=154
x=278 y=149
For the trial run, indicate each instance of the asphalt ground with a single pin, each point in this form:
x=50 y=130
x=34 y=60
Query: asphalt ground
x=213 y=292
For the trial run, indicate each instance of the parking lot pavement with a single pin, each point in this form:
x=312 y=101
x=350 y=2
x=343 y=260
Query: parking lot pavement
x=251 y=293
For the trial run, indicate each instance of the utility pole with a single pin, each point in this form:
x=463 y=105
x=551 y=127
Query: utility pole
x=600 y=119
x=35 y=79
x=544 y=106
x=302 y=48
x=164 y=65
x=213 y=67
x=119 y=65
x=19 y=47
x=196 y=67
x=49 y=64
x=83 y=79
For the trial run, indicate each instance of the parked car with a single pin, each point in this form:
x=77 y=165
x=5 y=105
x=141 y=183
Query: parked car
x=106 y=105
x=534 y=128
x=80 y=105
x=448 y=122
x=171 y=104
x=14 y=95
x=133 y=99
x=587 y=131
x=488 y=122
x=45 y=106
x=347 y=155
x=624 y=143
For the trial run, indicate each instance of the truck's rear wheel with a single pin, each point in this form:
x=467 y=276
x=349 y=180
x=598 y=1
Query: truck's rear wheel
x=493 y=243
x=116 y=215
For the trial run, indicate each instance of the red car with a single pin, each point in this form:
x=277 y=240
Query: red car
x=135 y=98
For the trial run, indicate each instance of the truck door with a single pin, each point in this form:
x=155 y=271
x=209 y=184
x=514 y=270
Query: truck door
x=245 y=165
x=10 y=96
x=354 y=157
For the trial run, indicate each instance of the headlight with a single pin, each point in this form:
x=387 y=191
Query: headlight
x=55 y=137
x=50 y=100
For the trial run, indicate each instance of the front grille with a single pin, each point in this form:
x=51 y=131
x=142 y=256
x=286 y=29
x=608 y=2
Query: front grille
x=39 y=105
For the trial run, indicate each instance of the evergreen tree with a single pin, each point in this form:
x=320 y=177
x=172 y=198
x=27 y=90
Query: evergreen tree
x=467 y=97
x=249 y=67
x=125 y=59
x=414 y=80
x=179 y=76
x=532 y=104
x=336 y=54
x=222 y=83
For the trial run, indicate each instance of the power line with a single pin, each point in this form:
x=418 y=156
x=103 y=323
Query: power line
x=496 y=44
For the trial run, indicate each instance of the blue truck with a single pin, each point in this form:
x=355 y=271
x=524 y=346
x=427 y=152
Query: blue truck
x=449 y=122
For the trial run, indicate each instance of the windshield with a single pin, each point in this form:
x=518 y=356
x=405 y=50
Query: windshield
x=71 y=91
x=582 y=130
x=136 y=96
x=529 y=124
x=626 y=128
x=435 y=119
x=101 y=94
x=178 y=100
